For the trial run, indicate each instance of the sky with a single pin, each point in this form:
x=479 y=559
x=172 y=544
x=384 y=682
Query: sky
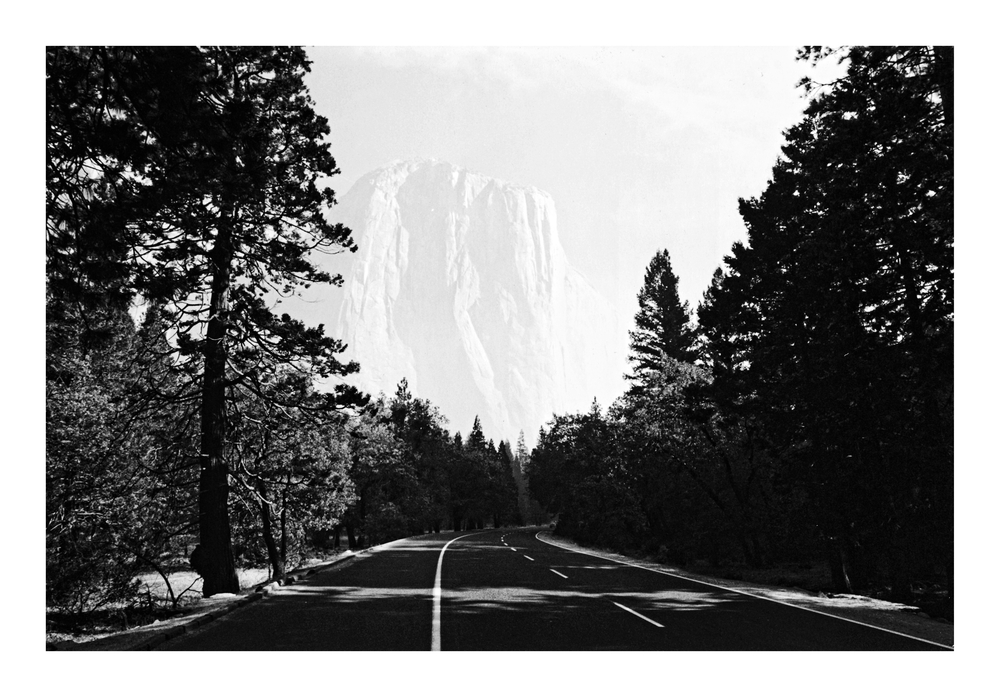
x=641 y=148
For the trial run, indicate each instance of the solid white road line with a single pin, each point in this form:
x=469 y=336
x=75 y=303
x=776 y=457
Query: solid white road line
x=734 y=590
x=528 y=558
x=436 y=616
x=628 y=609
x=557 y=573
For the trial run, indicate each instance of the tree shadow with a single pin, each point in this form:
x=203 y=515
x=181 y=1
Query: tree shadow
x=493 y=598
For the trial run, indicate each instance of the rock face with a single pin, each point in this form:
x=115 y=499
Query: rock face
x=461 y=286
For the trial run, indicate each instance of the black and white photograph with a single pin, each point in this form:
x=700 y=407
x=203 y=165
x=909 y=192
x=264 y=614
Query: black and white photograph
x=508 y=348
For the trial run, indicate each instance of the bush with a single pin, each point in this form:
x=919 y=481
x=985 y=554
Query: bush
x=385 y=524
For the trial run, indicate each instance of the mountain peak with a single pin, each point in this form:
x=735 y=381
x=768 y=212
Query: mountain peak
x=400 y=169
x=461 y=286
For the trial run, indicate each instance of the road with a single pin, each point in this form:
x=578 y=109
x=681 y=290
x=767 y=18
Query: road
x=508 y=590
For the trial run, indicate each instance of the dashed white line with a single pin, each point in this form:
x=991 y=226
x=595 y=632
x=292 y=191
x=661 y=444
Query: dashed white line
x=527 y=557
x=628 y=609
x=558 y=574
x=741 y=592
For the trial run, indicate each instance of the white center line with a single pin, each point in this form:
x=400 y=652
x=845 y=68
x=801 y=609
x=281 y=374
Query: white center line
x=557 y=573
x=627 y=609
x=528 y=558
x=436 y=616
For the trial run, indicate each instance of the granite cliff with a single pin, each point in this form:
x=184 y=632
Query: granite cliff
x=461 y=286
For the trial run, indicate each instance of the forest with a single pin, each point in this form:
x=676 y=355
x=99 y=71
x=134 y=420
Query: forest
x=183 y=426
x=804 y=410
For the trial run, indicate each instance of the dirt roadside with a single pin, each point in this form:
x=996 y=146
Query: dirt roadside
x=194 y=615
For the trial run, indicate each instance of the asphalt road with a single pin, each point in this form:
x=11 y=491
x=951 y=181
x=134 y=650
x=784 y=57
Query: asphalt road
x=507 y=590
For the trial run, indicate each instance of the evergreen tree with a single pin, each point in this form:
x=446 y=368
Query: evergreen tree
x=503 y=485
x=401 y=404
x=476 y=442
x=835 y=322
x=118 y=477
x=662 y=324
x=522 y=450
x=292 y=468
x=504 y=453
x=420 y=425
x=190 y=177
x=519 y=464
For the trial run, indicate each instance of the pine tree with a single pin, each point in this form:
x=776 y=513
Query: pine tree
x=662 y=324
x=476 y=442
x=518 y=465
x=189 y=177
x=834 y=324
x=400 y=405
x=522 y=450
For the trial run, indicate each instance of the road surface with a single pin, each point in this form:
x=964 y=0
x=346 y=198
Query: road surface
x=507 y=590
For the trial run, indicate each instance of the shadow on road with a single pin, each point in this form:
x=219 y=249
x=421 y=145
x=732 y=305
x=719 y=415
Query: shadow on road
x=524 y=595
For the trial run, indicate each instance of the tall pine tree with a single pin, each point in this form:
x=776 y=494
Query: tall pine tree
x=662 y=324
x=190 y=177
x=835 y=322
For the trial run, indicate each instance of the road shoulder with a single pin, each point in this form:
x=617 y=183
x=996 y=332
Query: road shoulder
x=196 y=615
x=892 y=617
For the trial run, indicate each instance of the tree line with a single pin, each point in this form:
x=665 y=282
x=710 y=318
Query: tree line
x=806 y=409
x=185 y=197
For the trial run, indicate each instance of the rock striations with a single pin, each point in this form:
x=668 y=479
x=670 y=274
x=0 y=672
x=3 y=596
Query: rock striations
x=461 y=286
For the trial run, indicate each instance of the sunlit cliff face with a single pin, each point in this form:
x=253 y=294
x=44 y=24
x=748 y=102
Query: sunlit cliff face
x=461 y=286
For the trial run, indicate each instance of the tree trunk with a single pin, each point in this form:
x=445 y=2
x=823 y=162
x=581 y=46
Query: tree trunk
x=900 y=576
x=838 y=567
x=744 y=543
x=219 y=569
x=284 y=528
x=277 y=563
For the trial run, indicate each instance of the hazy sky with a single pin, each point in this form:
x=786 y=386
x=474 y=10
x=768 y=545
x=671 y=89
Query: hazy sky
x=641 y=148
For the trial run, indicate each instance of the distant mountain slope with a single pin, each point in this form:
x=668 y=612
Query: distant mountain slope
x=460 y=285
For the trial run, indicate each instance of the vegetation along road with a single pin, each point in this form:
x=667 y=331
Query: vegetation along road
x=508 y=590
